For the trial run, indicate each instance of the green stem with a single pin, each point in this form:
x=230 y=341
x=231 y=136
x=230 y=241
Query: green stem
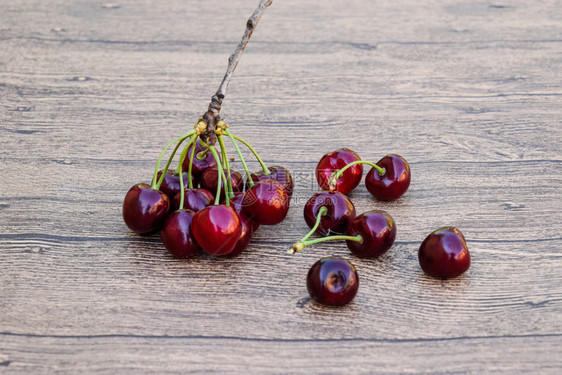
x=229 y=190
x=219 y=178
x=321 y=212
x=263 y=166
x=300 y=245
x=179 y=141
x=190 y=168
x=248 y=174
x=337 y=174
x=182 y=158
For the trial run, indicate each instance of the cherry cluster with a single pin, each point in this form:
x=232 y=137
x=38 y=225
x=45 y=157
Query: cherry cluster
x=330 y=213
x=197 y=207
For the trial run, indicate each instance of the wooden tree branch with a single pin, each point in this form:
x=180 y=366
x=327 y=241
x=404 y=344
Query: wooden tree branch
x=212 y=115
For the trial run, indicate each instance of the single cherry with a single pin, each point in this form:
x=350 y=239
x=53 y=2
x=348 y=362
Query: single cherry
x=279 y=174
x=444 y=253
x=340 y=212
x=245 y=236
x=144 y=208
x=209 y=180
x=176 y=234
x=266 y=202
x=217 y=229
x=171 y=182
x=332 y=281
x=236 y=203
x=393 y=183
x=335 y=160
x=200 y=164
x=377 y=230
x=194 y=199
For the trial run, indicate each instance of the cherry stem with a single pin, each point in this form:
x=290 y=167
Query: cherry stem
x=337 y=174
x=300 y=245
x=155 y=182
x=321 y=212
x=182 y=158
x=229 y=190
x=219 y=178
x=263 y=166
x=190 y=168
x=250 y=181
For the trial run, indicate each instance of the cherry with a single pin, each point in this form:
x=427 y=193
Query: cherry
x=332 y=281
x=340 y=212
x=209 y=180
x=335 y=160
x=377 y=230
x=176 y=234
x=444 y=253
x=145 y=208
x=171 y=182
x=393 y=183
x=217 y=229
x=200 y=165
x=279 y=174
x=266 y=202
x=245 y=236
x=194 y=199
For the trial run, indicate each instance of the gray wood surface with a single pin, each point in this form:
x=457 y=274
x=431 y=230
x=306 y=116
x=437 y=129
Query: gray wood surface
x=469 y=92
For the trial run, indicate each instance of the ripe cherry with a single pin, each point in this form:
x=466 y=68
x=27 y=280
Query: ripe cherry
x=279 y=174
x=171 y=182
x=177 y=236
x=335 y=160
x=236 y=203
x=266 y=202
x=209 y=180
x=245 y=236
x=194 y=199
x=332 y=281
x=393 y=183
x=200 y=164
x=444 y=253
x=340 y=212
x=217 y=229
x=377 y=230
x=145 y=208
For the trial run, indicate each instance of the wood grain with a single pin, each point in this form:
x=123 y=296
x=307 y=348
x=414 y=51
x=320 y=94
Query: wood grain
x=468 y=92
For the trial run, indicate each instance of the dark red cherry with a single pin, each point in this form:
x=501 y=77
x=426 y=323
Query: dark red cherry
x=335 y=160
x=395 y=180
x=236 y=203
x=332 y=281
x=144 y=208
x=245 y=236
x=199 y=165
x=278 y=174
x=340 y=214
x=378 y=231
x=176 y=234
x=444 y=253
x=194 y=199
x=266 y=202
x=217 y=229
x=171 y=182
x=209 y=180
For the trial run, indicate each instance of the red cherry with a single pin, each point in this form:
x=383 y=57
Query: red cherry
x=444 y=253
x=217 y=229
x=378 y=231
x=340 y=212
x=279 y=174
x=395 y=180
x=194 y=199
x=171 y=182
x=199 y=165
x=245 y=236
x=209 y=180
x=266 y=202
x=144 y=208
x=335 y=160
x=176 y=234
x=236 y=203
x=332 y=281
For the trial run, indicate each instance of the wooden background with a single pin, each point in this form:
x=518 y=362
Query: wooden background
x=469 y=92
